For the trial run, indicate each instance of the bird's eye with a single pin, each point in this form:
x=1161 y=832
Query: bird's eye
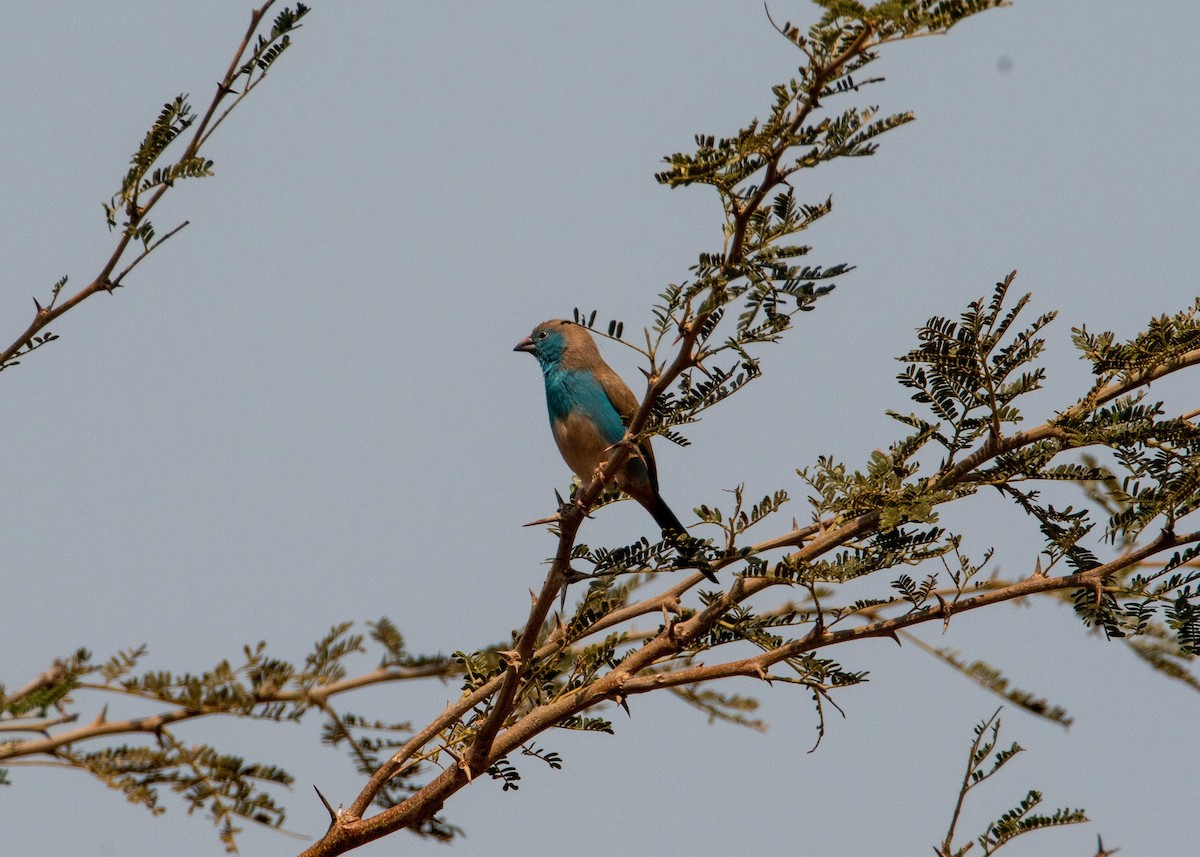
x=542 y=335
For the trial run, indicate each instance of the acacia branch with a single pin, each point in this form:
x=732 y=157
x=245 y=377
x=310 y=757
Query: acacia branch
x=51 y=745
x=833 y=536
x=44 y=680
x=101 y=727
x=1034 y=584
x=146 y=251
x=774 y=175
x=41 y=725
x=497 y=732
x=620 y=682
x=493 y=739
x=476 y=760
x=43 y=316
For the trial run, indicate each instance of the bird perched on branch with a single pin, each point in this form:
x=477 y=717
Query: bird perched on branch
x=590 y=407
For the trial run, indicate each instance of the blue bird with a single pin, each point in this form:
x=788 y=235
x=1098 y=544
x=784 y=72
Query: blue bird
x=590 y=407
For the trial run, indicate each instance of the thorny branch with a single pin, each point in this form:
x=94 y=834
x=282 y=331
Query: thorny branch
x=104 y=281
x=101 y=726
x=509 y=719
x=507 y=727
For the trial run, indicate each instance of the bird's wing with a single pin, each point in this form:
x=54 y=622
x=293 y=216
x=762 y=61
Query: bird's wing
x=618 y=392
x=626 y=405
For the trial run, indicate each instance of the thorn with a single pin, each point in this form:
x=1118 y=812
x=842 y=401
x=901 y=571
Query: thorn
x=573 y=576
x=102 y=717
x=333 y=816
x=511 y=657
x=1100 y=852
x=548 y=520
x=622 y=701
x=945 y=612
x=39 y=306
x=1038 y=571
x=465 y=767
x=895 y=637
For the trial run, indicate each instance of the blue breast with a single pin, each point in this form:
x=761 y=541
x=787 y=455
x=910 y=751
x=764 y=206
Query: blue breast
x=579 y=392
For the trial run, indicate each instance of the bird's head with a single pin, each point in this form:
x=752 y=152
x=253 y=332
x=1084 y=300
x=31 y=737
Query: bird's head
x=553 y=341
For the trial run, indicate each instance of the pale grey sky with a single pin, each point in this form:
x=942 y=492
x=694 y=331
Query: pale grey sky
x=305 y=408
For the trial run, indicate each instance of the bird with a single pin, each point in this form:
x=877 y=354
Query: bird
x=589 y=408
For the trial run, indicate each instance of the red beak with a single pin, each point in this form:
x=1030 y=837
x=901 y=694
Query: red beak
x=525 y=345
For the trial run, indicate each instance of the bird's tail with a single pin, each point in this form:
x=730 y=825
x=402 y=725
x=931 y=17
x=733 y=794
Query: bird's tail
x=663 y=516
x=673 y=529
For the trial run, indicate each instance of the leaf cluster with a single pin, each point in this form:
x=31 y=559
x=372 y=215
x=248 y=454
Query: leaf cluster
x=259 y=687
x=153 y=171
x=984 y=762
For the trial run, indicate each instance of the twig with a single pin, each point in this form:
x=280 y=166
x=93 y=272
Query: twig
x=102 y=282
